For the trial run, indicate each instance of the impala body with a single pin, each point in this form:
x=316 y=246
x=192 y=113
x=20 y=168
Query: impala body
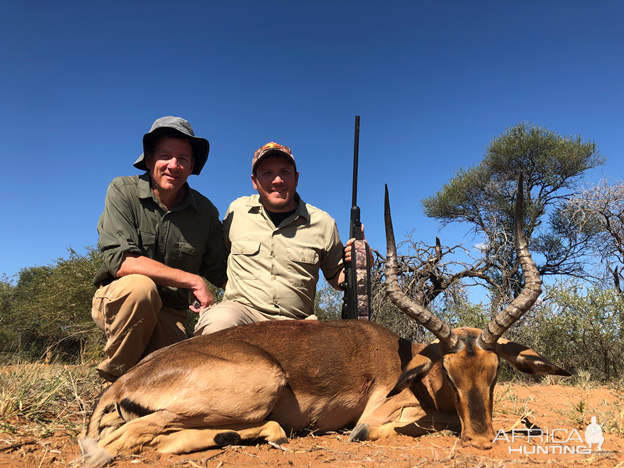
x=264 y=380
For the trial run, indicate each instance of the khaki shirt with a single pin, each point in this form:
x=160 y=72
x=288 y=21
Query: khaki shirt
x=188 y=237
x=275 y=269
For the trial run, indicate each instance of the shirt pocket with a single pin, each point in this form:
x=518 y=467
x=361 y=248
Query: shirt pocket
x=148 y=243
x=186 y=248
x=189 y=257
x=303 y=266
x=244 y=260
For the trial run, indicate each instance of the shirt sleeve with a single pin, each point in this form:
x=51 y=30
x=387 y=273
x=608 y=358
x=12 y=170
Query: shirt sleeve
x=332 y=262
x=227 y=225
x=214 y=263
x=117 y=229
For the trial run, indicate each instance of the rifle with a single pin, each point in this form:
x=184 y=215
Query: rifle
x=357 y=273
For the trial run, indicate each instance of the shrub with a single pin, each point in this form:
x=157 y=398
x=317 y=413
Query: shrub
x=578 y=328
x=328 y=302
x=47 y=314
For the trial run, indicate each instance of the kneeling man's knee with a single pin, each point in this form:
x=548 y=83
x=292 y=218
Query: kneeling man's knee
x=221 y=317
x=139 y=288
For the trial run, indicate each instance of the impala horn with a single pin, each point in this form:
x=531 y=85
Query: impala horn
x=532 y=282
x=440 y=328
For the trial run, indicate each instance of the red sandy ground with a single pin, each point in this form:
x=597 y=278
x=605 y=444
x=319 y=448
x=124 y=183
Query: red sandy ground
x=549 y=407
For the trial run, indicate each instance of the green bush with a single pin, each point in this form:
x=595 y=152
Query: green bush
x=328 y=302
x=579 y=329
x=47 y=313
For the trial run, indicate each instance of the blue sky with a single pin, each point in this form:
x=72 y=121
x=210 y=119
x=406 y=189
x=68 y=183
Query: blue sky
x=433 y=82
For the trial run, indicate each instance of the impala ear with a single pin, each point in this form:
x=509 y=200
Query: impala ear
x=525 y=359
x=418 y=367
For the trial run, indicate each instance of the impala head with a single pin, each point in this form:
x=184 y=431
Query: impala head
x=469 y=357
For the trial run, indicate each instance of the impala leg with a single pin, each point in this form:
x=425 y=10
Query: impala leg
x=110 y=423
x=134 y=435
x=165 y=431
x=192 y=440
x=445 y=421
x=400 y=415
x=435 y=421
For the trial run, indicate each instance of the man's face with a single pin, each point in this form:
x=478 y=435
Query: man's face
x=276 y=182
x=170 y=164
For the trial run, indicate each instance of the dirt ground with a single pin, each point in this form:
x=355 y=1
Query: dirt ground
x=558 y=409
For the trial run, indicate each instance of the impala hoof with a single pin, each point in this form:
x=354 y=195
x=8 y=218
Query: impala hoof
x=227 y=438
x=480 y=443
x=359 y=432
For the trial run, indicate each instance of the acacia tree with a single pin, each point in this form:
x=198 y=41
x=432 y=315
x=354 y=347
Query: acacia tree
x=483 y=197
x=599 y=211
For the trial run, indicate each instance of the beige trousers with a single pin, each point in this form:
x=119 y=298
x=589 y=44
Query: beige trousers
x=130 y=313
x=232 y=314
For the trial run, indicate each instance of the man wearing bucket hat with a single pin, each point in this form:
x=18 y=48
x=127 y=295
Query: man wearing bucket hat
x=277 y=245
x=158 y=238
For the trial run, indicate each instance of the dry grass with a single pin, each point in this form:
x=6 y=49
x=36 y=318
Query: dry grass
x=44 y=398
x=612 y=413
x=576 y=411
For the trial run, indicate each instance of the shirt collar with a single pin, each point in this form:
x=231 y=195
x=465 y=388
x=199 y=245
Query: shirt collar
x=144 y=190
x=302 y=210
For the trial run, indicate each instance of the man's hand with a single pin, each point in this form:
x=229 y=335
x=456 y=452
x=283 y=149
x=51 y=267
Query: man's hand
x=337 y=280
x=202 y=294
x=347 y=256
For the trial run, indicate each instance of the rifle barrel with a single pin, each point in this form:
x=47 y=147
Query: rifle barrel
x=356 y=149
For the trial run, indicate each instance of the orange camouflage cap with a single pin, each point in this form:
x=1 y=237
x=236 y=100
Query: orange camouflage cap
x=270 y=148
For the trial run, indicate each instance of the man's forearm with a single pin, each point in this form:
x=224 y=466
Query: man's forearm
x=159 y=273
x=337 y=280
x=166 y=276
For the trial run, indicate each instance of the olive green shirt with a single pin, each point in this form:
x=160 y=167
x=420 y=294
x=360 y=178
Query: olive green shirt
x=187 y=238
x=275 y=269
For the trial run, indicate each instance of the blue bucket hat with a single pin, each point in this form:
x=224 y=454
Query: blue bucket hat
x=200 y=146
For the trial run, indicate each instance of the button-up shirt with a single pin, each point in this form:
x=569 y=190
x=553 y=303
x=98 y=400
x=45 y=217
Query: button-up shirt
x=275 y=269
x=187 y=237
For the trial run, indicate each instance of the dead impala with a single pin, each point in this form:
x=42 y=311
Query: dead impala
x=264 y=380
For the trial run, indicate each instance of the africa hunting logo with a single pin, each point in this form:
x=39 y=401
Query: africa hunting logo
x=535 y=441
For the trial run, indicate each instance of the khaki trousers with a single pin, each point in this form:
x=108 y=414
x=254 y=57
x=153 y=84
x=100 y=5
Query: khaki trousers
x=232 y=314
x=130 y=313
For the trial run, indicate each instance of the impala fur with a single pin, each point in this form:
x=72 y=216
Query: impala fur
x=264 y=380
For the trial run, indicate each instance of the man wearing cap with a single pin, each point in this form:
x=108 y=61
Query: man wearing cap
x=158 y=238
x=277 y=245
